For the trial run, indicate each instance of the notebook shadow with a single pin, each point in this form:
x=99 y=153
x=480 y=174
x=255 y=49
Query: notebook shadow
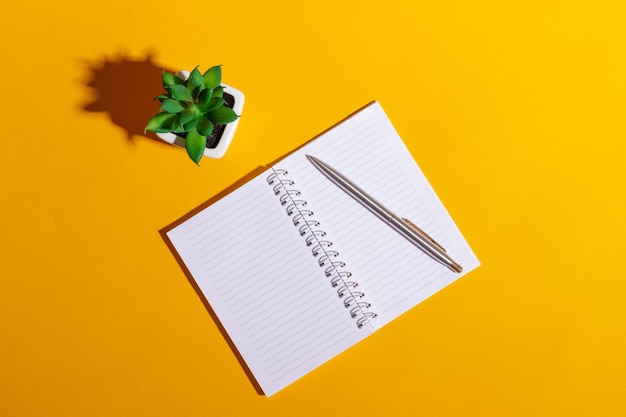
x=124 y=88
x=194 y=284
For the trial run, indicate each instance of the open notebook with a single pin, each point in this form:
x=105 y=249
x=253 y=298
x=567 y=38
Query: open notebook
x=297 y=271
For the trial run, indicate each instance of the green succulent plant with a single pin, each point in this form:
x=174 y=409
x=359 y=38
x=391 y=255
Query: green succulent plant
x=192 y=108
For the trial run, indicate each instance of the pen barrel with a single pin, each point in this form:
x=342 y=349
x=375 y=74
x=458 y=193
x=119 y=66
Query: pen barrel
x=428 y=246
x=404 y=228
x=421 y=240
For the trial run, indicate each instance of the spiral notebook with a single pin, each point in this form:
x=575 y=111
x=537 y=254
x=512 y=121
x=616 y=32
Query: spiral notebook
x=296 y=271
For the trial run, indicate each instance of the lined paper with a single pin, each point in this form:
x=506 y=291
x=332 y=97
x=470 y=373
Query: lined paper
x=264 y=282
x=267 y=290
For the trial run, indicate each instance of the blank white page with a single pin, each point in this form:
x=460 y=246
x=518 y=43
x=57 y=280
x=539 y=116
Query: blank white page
x=267 y=287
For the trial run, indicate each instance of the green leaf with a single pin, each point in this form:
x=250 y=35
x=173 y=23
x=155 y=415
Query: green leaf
x=170 y=79
x=162 y=97
x=195 y=144
x=172 y=106
x=222 y=115
x=177 y=127
x=213 y=77
x=180 y=93
x=213 y=104
x=186 y=116
x=204 y=97
x=205 y=126
x=195 y=82
x=191 y=124
x=162 y=123
x=218 y=91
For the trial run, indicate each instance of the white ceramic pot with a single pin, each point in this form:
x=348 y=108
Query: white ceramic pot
x=229 y=129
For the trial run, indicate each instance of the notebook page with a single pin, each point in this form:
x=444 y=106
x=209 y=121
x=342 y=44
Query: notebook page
x=265 y=284
x=262 y=282
x=392 y=272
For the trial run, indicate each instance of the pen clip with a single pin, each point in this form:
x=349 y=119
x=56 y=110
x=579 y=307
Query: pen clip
x=423 y=234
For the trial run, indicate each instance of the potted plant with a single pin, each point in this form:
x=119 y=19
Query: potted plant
x=197 y=112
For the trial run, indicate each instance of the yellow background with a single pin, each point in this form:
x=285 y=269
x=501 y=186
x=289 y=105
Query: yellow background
x=515 y=110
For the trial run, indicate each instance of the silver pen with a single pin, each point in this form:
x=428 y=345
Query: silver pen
x=403 y=226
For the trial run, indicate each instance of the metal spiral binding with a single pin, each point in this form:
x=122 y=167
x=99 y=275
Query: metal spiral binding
x=308 y=227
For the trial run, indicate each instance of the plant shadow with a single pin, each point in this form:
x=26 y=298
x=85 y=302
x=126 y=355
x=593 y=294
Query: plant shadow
x=123 y=88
